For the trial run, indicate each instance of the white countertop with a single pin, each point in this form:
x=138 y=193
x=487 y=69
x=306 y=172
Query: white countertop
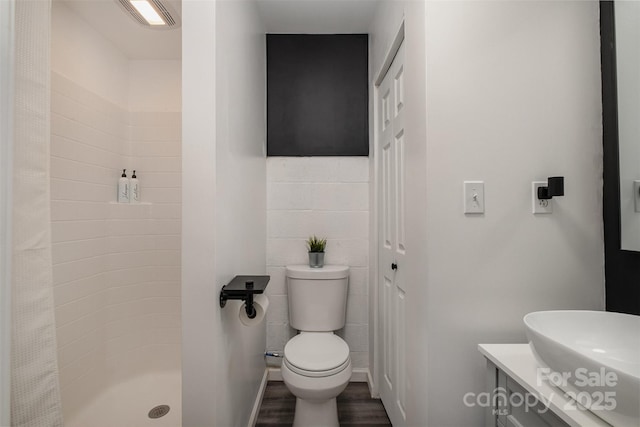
x=517 y=361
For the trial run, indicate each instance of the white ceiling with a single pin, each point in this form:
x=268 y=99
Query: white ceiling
x=278 y=16
x=131 y=38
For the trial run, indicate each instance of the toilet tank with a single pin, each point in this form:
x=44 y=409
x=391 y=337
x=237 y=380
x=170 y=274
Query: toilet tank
x=317 y=297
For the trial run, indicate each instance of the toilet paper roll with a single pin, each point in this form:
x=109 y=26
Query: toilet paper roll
x=261 y=304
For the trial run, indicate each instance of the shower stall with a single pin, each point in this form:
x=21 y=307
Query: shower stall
x=115 y=104
x=95 y=93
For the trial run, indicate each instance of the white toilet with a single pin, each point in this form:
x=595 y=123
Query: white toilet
x=316 y=366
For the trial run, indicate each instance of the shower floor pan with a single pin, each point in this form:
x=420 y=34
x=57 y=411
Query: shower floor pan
x=128 y=404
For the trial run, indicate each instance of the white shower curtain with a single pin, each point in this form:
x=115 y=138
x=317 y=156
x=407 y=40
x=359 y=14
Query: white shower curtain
x=35 y=393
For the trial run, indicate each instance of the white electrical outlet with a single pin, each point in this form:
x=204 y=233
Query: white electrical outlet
x=474 y=197
x=540 y=206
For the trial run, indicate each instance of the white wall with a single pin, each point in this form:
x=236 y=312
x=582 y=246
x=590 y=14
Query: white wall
x=82 y=55
x=87 y=58
x=86 y=151
x=513 y=96
x=224 y=227
x=327 y=197
x=116 y=267
x=155 y=85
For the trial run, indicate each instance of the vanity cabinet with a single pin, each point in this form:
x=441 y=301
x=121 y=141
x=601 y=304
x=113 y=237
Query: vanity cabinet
x=515 y=397
x=513 y=405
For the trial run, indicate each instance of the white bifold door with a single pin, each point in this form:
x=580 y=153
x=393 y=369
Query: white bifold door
x=392 y=294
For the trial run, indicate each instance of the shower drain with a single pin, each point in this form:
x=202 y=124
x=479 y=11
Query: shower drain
x=159 y=411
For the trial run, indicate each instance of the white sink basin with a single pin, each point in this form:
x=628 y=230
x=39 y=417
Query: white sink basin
x=598 y=353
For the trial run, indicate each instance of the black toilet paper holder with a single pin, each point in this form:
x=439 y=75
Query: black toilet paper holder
x=244 y=288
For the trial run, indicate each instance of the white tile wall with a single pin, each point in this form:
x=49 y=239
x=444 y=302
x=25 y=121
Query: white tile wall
x=328 y=197
x=116 y=267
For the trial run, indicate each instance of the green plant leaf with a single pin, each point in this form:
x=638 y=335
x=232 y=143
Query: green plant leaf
x=315 y=244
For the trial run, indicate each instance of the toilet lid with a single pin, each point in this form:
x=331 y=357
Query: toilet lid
x=316 y=351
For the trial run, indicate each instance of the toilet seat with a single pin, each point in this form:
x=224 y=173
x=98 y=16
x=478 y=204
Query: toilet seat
x=317 y=374
x=316 y=354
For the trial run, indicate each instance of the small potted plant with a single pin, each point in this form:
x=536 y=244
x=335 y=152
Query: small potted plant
x=316 y=251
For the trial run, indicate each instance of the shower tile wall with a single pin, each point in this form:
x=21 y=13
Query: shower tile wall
x=116 y=267
x=328 y=197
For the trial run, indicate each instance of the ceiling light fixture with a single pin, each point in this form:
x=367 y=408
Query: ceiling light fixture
x=151 y=14
x=148 y=12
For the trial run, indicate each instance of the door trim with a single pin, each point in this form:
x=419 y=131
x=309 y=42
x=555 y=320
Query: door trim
x=391 y=53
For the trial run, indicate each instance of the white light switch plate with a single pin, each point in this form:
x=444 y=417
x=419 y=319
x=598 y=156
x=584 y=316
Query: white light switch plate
x=636 y=194
x=540 y=206
x=474 y=197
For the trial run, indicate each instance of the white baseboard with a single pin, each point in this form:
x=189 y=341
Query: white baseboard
x=358 y=375
x=256 y=405
x=275 y=374
x=372 y=386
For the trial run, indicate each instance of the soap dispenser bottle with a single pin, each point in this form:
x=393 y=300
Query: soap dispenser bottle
x=123 y=188
x=134 y=189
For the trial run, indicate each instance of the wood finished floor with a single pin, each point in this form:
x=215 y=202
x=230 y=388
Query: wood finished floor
x=355 y=407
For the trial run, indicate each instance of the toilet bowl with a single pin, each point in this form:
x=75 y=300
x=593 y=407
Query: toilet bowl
x=316 y=366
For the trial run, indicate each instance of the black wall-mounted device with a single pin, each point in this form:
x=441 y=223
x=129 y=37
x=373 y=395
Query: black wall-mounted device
x=555 y=187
